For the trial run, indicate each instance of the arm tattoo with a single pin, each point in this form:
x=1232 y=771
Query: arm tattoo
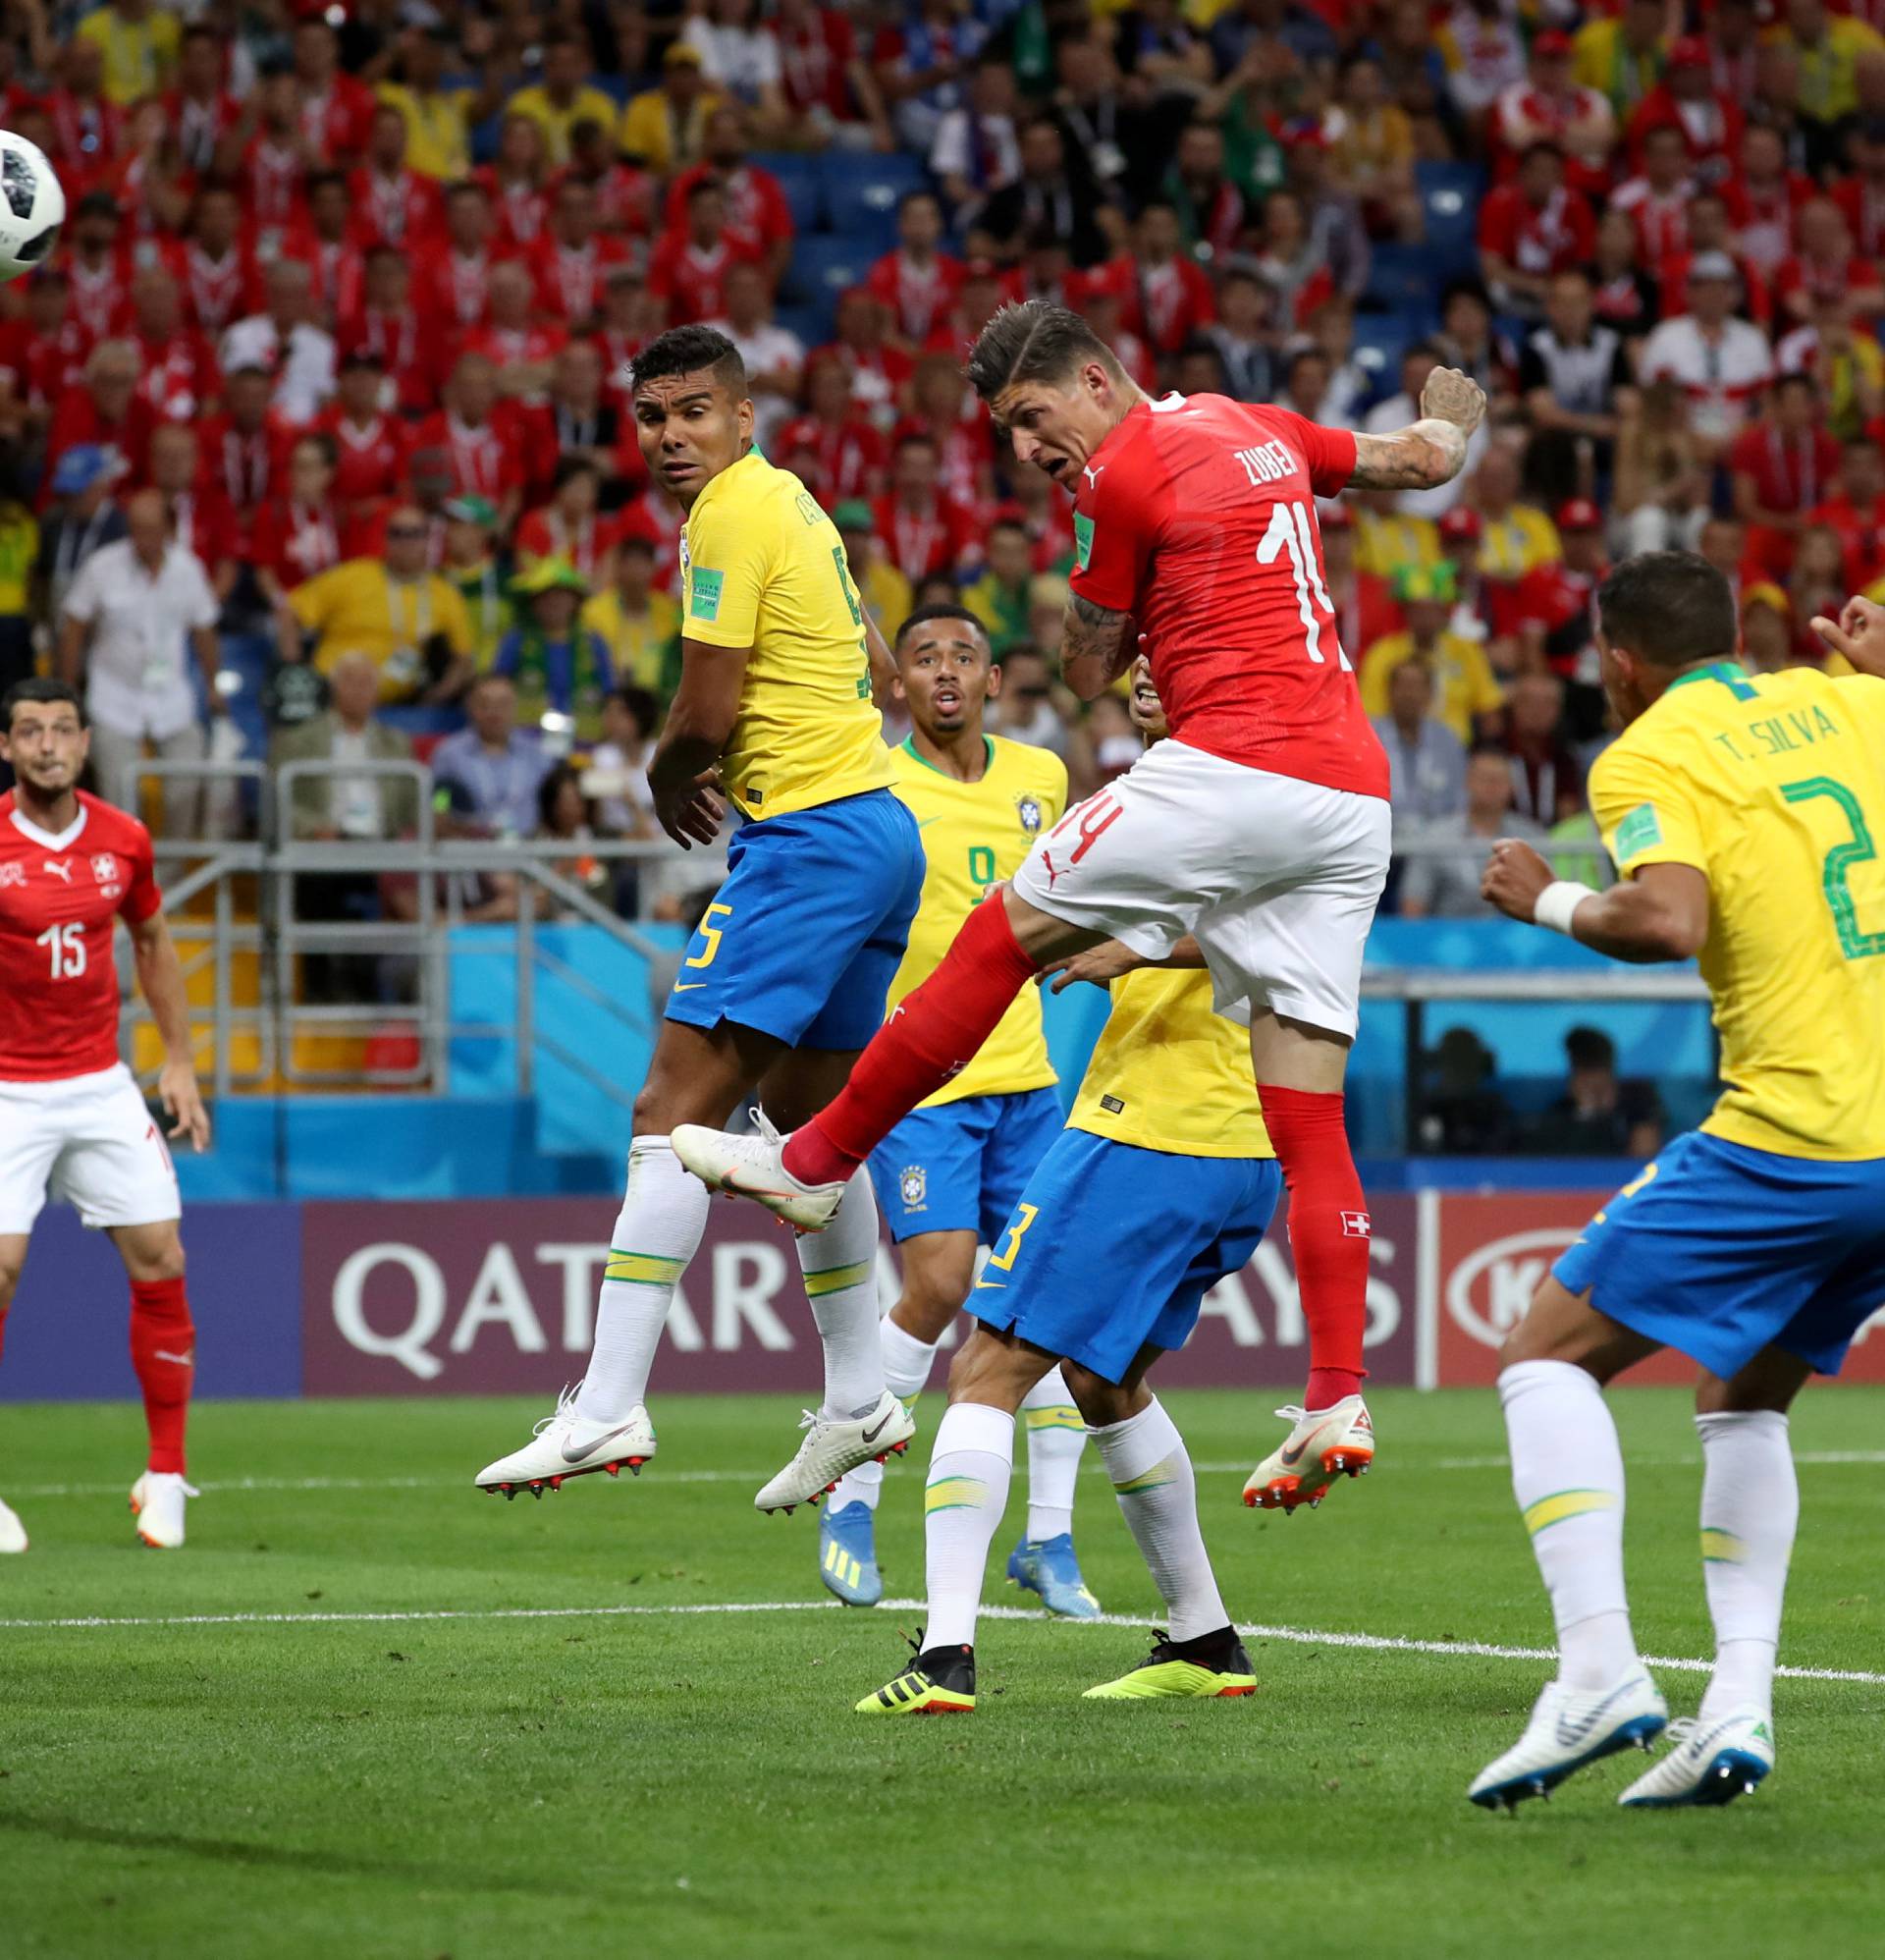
x=1421 y=457
x=1093 y=635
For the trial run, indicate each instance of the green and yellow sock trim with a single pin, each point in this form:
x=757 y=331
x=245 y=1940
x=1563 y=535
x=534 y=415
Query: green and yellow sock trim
x=953 y=1494
x=1060 y=1415
x=834 y=1278
x=1722 y=1548
x=1563 y=1504
x=642 y=1269
x=1155 y=1479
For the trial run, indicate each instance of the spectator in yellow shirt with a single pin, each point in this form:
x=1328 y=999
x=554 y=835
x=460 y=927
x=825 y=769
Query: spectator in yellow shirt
x=885 y=590
x=1622 y=58
x=1386 y=539
x=667 y=127
x=563 y=98
x=1827 y=50
x=1514 y=537
x=1465 y=693
x=407 y=620
x=437 y=120
x=638 y=626
x=138 y=42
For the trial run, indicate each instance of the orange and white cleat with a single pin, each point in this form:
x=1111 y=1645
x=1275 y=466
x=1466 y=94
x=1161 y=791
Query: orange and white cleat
x=158 y=1500
x=1321 y=1447
x=565 y=1446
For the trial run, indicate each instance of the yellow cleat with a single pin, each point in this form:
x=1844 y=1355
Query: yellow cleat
x=940 y=1681
x=1213 y=1668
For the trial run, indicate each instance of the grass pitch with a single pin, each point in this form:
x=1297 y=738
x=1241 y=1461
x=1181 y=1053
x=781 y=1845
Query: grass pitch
x=449 y=1725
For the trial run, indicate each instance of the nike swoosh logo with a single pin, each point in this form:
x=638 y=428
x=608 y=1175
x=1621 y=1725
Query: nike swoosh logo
x=923 y=823
x=687 y=986
x=589 y=1449
x=1294 y=1455
x=871 y=1434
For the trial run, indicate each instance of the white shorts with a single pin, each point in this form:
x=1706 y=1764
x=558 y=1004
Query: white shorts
x=1277 y=879
x=88 y=1138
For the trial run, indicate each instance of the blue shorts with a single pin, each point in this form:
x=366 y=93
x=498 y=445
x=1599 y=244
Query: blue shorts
x=1111 y=1247
x=963 y=1166
x=806 y=936
x=1718 y=1251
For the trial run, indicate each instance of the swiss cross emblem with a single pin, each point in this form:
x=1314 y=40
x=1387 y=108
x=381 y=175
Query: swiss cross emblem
x=104 y=868
x=1356 y=1225
x=11 y=874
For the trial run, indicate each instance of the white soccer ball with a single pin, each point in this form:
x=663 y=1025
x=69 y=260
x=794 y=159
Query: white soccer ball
x=33 y=205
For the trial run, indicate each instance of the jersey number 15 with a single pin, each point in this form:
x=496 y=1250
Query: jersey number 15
x=66 y=947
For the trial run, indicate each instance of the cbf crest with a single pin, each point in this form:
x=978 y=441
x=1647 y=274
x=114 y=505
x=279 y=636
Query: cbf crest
x=913 y=1187
x=1027 y=807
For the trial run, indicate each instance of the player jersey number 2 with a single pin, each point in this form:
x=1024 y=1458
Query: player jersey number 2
x=66 y=947
x=1291 y=535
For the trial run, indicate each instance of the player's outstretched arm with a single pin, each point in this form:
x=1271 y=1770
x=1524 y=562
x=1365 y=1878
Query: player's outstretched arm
x=160 y=978
x=1428 y=453
x=1101 y=965
x=684 y=772
x=1858 y=633
x=1660 y=912
x=1097 y=646
x=883 y=664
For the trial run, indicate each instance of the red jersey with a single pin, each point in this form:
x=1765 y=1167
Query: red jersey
x=569 y=282
x=219 y=292
x=756 y=207
x=927 y=543
x=1861 y=534
x=920 y=298
x=406 y=210
x=58 y=899
x=1197 y=516
x=1168 y=303
x=406 y=352
x=485 y=461
x=204 y=522
x=841 y=462
x=1537 y=241
x=297 y=541
x=180 y=375
x=450 y=288
x=369 y=461
x=694 y=282
x=100 y=295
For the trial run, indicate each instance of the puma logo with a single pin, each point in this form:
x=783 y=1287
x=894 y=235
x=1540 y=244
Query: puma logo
x=60 y=867
x=1091 y=475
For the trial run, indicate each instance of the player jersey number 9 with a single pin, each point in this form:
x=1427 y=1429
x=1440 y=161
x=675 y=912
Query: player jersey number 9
x=66 y=947
x=1291 y=535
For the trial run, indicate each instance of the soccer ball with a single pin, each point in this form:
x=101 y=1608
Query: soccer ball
x=33 y=205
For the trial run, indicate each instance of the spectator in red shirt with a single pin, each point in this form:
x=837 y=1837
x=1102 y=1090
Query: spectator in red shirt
x=1688 y=101
x=688 y=271
x=98 y=271
x=1855 y=510
x=202 y=114
x=1782 y=466
x=369 y=443
x=516 y=182
x=180 y=378
x=625 y=195
x=1547 y=786
x=1825 y=265
x=299 y=534
x=918 y=282
x=521 y=344
x=945 y=407
x=219 y=276
x=1861 y=198
x=1548 y=106
x=388 y=325
x=579 y=419
x=842 y=455
x=1763 y=195
x=452 y=274
x=1658 y=198
x=276 y=160
x=1554 y=609
x=1710 y=232
x=103 y=411
x=880 y=372
x=201 y=519
x=1532 y=228
x=926 y=533
x=570 y=527
x=43 y=353
x=240 y=448
x=392 y=204
x=88 y=128
x=482 y=452
x=568 y=263
x=326 y=239
x=756 y=207
x=1171 y=299
x=334 y=107
x=824 y=79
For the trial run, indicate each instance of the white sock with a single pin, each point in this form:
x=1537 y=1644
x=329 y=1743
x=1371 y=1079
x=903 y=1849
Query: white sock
x=657 y=1233
x=839 y=1265
x=962 y=1504
x=907 y=1368
x=1749 y=1510
x=1057 y=1436
x=1151 y=1477
x=1567 y=1474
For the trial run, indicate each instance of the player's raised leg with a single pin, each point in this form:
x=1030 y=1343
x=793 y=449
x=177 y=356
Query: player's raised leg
x=13 y=1256
x=1567 y=1477
x=1749 y=1511
x=163 y=1353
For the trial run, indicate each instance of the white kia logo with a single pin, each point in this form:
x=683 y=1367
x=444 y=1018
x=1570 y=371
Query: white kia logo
x=1511 y=1268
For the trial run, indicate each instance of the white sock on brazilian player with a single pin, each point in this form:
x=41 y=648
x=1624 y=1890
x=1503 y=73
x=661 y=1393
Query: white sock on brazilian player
x=962 y=1504
x=839 y=1265
x=906 y=1369
x=1749 y=1511
x=1056 y=1436
x=1151 y=1477
x=663 y=1218
x=1567 y=1475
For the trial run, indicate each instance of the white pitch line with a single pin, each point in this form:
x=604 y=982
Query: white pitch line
x=1408 y=1462
x=1377 y=1643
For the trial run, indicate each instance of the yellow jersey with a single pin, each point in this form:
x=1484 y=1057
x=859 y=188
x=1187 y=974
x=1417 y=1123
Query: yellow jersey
x=1384 y=541
x=357 y=608
x=1517 y=543
x=587 y=105
x=1169 y=1074
x=438 y=139
x=1463 y=683
x=643 y=647
x=1773 y=787
x=763 y=566
x=974 y=836
x=139 y=56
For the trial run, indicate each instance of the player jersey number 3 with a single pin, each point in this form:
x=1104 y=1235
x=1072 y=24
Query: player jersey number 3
x=1291 y=535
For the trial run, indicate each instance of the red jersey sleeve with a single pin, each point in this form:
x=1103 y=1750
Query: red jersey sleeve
x=1328 y=453
x=1114 y=518
x=141 y=896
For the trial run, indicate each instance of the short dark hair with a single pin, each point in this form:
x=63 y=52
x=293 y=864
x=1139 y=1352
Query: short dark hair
x=568 y=467
x=1589 y=1048
x=924 y=615
x=690 y=350
x=639 y=701
x=1035 y=341
x=1670 y=607
x=41 y=690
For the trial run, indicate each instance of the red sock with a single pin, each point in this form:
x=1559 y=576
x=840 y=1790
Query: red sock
x=933 y=1035
x=163 y=1350
x=1328 y=1231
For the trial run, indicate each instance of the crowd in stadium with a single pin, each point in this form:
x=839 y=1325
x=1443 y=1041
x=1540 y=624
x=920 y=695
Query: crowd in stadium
x=329 y=361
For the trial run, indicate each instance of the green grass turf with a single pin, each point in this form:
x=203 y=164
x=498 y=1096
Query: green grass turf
x=663 y=1784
